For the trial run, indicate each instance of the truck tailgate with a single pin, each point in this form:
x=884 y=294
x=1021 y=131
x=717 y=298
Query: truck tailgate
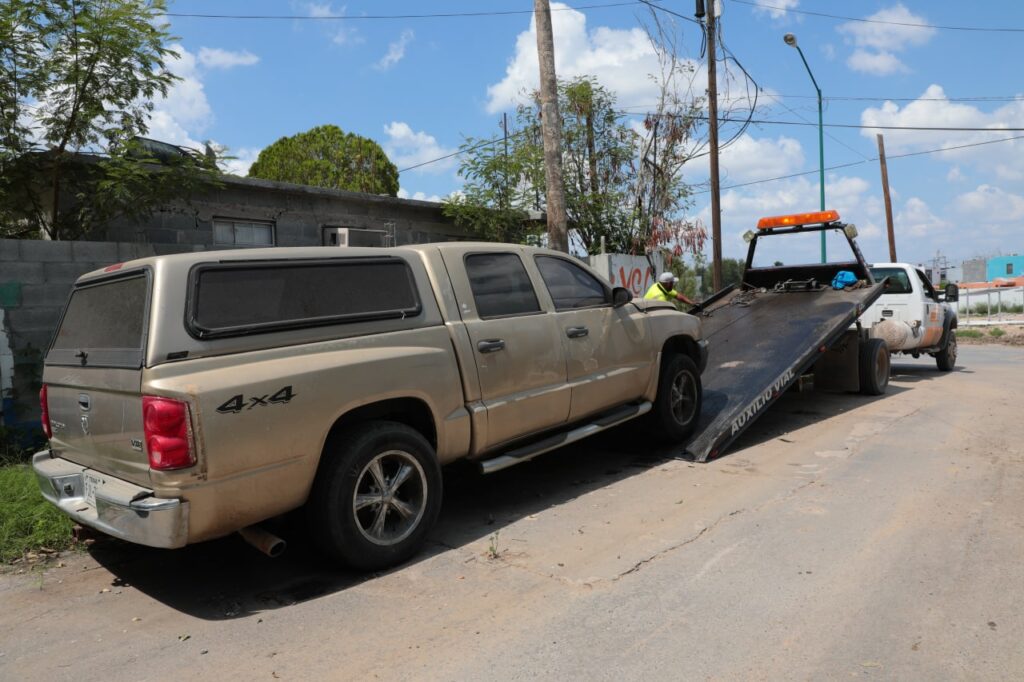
x=96 y=416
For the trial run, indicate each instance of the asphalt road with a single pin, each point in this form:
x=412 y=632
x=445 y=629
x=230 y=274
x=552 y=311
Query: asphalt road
x=842 y=537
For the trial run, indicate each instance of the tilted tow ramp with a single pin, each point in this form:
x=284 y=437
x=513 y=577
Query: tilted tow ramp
x=775 y=326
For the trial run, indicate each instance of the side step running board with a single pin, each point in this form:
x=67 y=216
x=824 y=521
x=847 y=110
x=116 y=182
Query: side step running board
x=528 y=452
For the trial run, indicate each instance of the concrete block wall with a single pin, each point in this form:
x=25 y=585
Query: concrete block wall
x=298 y=213
x=35 y=279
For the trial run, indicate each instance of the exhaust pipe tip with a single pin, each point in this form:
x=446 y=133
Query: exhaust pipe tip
x=264 y=541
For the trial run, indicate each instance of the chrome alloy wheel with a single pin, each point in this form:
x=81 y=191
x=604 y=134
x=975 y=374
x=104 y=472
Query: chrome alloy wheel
x=683 y=398
x=390 y=497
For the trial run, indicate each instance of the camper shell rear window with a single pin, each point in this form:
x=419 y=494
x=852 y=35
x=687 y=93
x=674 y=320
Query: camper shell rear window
x=240 y=298
x=104 y=323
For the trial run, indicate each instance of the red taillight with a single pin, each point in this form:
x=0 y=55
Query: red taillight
x=165 y=425
x=44 y=412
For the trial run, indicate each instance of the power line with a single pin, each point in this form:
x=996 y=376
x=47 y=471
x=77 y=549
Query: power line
x=983 y=29
x=861 y=163
x=876 y=127
x=344 y=17
x=770 y=122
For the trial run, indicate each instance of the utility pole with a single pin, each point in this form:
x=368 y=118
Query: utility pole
x=551 y=127
x=504 y=163
x=888 y=201
x=716 y=203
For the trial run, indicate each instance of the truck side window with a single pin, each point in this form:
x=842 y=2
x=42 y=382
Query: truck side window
x=501 y=287
x=929 y=290
x=570 y=285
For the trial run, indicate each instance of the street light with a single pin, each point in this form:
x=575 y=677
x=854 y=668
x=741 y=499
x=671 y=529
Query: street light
x=790 y=40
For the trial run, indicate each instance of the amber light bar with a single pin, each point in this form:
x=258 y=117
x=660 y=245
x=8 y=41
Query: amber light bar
x=797 y=219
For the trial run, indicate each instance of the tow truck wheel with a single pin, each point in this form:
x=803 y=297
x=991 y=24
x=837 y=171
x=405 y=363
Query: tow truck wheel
x=874 y=367
x=376 y=495
x=946 y=358
x=677 y=407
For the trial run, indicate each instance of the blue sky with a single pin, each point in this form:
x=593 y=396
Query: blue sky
x=418 y=86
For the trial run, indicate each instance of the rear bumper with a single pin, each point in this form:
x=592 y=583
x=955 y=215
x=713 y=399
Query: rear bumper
x=121 y=509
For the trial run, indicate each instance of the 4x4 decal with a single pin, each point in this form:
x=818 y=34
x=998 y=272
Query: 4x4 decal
x=239 y=402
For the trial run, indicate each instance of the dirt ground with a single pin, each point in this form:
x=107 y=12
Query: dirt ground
x=842 y=537
x=1013 y=333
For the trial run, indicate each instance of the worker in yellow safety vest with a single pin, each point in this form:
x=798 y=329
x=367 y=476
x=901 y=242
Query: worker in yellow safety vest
x=665 y=290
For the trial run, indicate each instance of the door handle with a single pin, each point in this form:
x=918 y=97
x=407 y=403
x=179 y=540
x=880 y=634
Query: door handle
x=491 y=345
x=576 y=332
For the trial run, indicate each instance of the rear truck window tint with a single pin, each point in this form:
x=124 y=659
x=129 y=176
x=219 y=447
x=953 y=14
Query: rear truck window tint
x=233 y=299
x=501 y=287
x=570 y=285
x=104 y=324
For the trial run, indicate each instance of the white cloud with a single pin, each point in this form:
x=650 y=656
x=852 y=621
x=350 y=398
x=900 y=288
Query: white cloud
x=418 y=196
x=776 y=9
x=396 y=51
x=880 y=63
x=184 y=112
x=934 y=109
x=621 y=59
x=244 y=157
x=750 y=158
x=989 y=205
x=216 y=58
x=955 y=175
x=876 y=44
x=340 y=33
x=406 y=147
x=917 y=219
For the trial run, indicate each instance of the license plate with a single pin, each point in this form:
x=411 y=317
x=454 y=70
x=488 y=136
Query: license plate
x=90 y=483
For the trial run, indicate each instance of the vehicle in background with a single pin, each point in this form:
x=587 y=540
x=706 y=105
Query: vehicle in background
x=911 y=316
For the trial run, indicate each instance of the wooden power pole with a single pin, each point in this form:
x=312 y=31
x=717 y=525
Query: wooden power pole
x=888 y=201
x=551 y=128
x=716 y=204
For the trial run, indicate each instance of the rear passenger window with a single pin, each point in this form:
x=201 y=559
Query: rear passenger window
x=500 y=285
x=232 y=299
x=570 y=285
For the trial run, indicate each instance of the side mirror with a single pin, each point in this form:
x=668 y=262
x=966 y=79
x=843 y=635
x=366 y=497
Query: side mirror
x=621 y=296
x=952 y=293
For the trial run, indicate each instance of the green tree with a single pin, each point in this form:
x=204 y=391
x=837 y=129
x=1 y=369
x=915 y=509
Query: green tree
x=503 y=180
x=81 y=76
x=326 y=156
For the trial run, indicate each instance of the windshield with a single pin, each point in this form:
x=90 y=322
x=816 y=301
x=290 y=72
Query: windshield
x=898 y=283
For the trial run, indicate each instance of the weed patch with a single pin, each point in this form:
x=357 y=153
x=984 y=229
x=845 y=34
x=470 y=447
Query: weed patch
x=27 y=521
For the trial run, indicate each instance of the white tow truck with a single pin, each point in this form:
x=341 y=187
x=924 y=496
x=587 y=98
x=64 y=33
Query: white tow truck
x=911 y=316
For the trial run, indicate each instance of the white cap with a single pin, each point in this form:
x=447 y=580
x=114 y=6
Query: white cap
x=666 y=278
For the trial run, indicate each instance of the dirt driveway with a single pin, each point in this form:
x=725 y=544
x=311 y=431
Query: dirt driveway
x=842 y=537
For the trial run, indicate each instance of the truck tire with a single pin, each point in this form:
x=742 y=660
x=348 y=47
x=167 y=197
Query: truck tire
x=946 y=358
x=676 y=410
x=874 y=367
x=376 y=495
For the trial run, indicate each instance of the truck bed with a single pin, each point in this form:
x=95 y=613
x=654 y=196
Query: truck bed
x=760 y=344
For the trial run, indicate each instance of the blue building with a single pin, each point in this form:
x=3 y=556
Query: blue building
x=1004 y=267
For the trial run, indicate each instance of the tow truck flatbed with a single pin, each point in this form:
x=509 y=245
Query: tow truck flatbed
x=765 y=333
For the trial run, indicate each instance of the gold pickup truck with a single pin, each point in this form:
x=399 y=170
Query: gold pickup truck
x=190 y=396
